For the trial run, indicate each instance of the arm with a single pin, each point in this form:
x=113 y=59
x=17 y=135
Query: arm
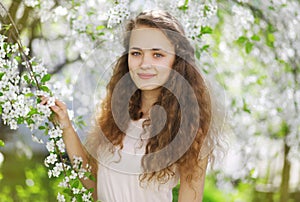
x=72 y=142
x=193 y=191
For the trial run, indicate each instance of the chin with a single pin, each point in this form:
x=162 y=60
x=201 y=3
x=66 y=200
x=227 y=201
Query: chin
x=149 y=87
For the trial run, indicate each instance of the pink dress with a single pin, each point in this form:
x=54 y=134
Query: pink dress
x=118 y=178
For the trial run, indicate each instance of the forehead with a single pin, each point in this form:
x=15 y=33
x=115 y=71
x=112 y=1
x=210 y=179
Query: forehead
x=149 y=38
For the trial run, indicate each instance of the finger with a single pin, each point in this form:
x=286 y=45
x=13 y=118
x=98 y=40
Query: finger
x=44 y=100
x=58 y=111
x=61 y=104
x=42 y=97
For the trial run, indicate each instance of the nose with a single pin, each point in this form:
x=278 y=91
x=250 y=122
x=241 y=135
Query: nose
x=146 y=61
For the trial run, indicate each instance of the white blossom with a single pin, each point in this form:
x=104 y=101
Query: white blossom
x=87 y=197
x=61 y=145
x=63 y=184
x=73 y=175
x=51 y=102
x=13 y=124
x=77 y=161
x=37 y=140
x=81 y=173
x=51 y=159
x=118 y=14
x=42 y=93
x=31 y=3
x=57 y=169
x=60 y=11
x=26 y=91
x=55 y=133
x=60 y=197
x=49 y=173
x=75 y=190
x=242 y=16
x=50 y=145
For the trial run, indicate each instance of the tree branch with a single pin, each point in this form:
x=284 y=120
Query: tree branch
x=59 y=67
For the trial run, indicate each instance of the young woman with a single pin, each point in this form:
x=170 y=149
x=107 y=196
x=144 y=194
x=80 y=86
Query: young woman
x=153 y=126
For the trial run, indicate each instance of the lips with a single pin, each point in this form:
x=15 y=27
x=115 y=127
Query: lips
x=146 y=75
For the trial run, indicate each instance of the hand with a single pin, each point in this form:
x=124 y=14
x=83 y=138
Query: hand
x=61 y=112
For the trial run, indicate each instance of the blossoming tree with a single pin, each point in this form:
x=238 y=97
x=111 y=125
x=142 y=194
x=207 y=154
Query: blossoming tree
x=264 y=87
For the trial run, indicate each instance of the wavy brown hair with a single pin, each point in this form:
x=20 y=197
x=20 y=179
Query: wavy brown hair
x=185 y=89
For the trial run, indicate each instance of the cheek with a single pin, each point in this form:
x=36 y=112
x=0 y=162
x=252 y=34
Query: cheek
x=169 y=62
x=133 y=63
x=164 y=74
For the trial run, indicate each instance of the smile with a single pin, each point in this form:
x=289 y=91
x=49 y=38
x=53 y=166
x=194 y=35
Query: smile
x=146 y=76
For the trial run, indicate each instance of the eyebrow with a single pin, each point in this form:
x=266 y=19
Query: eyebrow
x=153 y=49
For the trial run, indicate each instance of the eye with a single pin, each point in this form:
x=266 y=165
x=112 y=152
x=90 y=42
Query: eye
x=158 y=55
x=135 y=53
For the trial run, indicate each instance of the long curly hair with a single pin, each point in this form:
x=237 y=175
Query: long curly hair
x=185 y=99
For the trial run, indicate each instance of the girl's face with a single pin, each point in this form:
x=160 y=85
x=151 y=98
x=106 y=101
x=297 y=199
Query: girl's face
x=150 y=58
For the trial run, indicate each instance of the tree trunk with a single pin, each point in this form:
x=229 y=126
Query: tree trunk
x=285 y=176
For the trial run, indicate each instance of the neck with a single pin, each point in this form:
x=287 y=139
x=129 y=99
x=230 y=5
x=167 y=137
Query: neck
x=149 y=97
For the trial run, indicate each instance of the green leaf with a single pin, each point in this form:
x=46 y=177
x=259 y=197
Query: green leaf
x=2 y=144
x=91 y=190
x=1 y=75
x=271 y=8
x=1 y=109
x=34 y=63
x=68 y=191
x=78 y=121
x=89 y=13
x=271 y=28
x=198 y=54
x=271 y=37
x=261 y=80
x=45 y=89
x=38 y=100
x=29 y=121
x=206 y=30
x=185 y=6
x=42 y=127
x=284 y=130
x=100 y=27
x=46 y=131
x=75 y=184
x=26 y=78
x=245 y=107
x=20 y=120
x=90 y=176
x=205 y=47
x=32 y=112
x=279 y=109
x=18 y=58
x=79 y=199
x=241 y=40
x=248 y=47
x=255 y=38
x=46 y=78
x=29 y=95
